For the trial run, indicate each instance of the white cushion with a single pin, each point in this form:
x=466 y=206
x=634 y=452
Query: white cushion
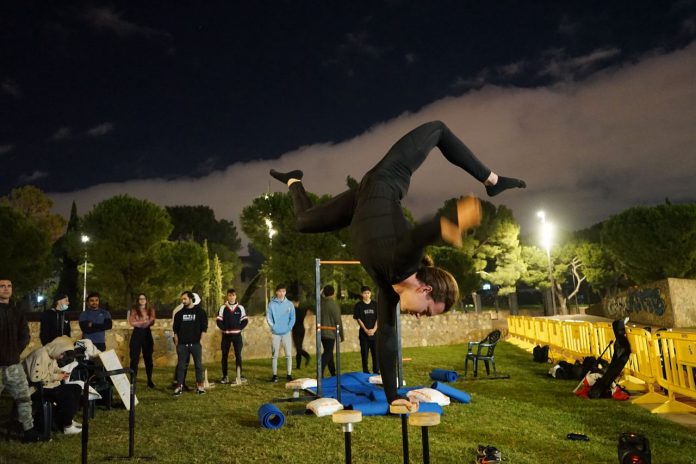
x=429 y=395
x=324 y=406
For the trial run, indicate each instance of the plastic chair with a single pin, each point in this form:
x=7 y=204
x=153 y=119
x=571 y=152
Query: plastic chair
x=482 y=351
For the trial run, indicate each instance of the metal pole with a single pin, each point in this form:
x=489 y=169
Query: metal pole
x=399 y=357
x=338 y=362
x=131 y=416
x=84 y=288
x=349 y=457
x=404 y=435
x=426 y=445
x=553 y=286
x=317 y=280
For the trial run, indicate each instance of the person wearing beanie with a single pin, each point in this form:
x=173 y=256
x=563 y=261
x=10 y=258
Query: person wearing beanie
x=390 y=249
x=54 y=321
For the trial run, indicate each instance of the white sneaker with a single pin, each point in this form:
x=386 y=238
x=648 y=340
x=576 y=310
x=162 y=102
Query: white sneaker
x=76 y=424
x=71 y=430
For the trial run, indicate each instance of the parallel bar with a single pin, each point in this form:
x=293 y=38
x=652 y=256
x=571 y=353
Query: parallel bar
x=338 y=363
x=338 y=262
x=317 y=278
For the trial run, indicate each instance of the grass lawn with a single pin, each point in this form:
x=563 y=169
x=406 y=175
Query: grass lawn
x=527 y=417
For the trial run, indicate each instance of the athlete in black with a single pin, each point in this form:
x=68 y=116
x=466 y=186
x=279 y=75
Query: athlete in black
x=390 y=250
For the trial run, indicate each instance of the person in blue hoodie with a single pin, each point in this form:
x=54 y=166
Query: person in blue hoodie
x=280 y=316
x=95 y=321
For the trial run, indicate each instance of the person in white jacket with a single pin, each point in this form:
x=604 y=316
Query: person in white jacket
x=43 y=365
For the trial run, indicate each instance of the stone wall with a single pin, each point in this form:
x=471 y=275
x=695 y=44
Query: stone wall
x=665 y=303
x=447 y=329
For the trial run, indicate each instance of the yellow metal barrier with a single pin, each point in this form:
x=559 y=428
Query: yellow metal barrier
x=601 y=335
x=643 y=366
x=675 y=365
x=541 y=330
x=577 y=339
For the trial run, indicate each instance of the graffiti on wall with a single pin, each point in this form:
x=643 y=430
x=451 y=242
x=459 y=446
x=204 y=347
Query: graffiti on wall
x=645 y=299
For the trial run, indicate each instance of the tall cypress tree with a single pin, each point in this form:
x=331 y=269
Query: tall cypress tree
x=69 y=257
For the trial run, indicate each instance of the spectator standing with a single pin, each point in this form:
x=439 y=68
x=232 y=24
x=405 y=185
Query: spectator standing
x=280 y=316
x=330 y=317
x=95 y=321
x=189 y=326
x=298 y=334
x=54 y=321
x=365 y=312
x=14 y=337
x=231 y=320
x=141 y=317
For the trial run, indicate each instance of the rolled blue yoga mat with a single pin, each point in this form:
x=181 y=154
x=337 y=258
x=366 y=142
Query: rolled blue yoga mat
x=452 y=392
x=271 y=417
x=374 y=408
x=444 y=375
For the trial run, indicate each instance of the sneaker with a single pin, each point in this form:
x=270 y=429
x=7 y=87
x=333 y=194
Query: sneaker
x=488 y=455
x=150 y=384
x=71 y=430
x=619 y=394
x=200 y=391
x=288 y=377
x=178 y=390
x=225 y=379
x=76 y=424
x=274 y=378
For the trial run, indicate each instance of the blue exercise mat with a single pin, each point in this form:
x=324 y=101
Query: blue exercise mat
x=453 y=393
x=444 y=375
x=271 y=417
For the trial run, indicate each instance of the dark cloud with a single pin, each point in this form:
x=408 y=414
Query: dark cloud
x=587 y=149
x=108 y=20
x=100 y=130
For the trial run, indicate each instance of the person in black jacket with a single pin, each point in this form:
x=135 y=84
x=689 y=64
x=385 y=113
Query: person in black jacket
x=54 y=321
x=14 y=337
x=390 y=249
x=189 y=326
x=232 y=319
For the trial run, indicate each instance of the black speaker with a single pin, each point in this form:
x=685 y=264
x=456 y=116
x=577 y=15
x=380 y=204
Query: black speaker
x=633 y=449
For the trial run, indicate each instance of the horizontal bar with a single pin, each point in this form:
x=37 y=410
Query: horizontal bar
x=339 y=262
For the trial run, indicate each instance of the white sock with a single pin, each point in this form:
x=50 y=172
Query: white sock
x=492 y=179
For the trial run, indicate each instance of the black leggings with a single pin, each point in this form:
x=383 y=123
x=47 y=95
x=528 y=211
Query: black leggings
x=67 y=400
x=368 y=344
x=238 y=343
x=141 y=340
x=398 y=165
x=327 y=355
x=298 y=334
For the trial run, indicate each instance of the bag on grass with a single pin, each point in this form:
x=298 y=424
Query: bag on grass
x=540 y=354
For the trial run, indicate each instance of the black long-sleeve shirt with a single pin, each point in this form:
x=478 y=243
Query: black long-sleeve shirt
x=189 y=325
x=14 y=333
x=53 y=324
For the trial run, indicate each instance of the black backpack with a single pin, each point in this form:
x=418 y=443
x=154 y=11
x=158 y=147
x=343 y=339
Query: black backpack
x=541 y=353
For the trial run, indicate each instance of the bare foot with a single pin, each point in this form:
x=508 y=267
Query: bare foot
x=450 y=232
x=468 y=213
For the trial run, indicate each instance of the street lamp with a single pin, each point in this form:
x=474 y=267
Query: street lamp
x=546 y=236
x=271 y=233
x=84 y=240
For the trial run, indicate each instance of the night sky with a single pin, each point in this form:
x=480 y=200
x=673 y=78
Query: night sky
x=592 y=102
